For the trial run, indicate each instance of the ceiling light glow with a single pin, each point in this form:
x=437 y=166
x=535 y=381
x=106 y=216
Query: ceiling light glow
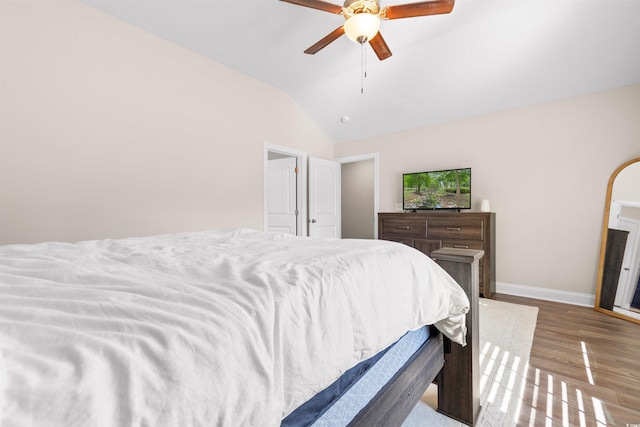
x=362 y=27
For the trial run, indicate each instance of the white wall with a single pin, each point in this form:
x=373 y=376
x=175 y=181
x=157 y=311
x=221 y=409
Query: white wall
x=545 y=171
x=108 y=131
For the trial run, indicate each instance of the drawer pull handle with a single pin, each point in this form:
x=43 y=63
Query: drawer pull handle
x=454 y=228
x=461 y=246
x=403 y=227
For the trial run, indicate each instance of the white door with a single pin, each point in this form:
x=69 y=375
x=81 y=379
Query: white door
x=324 y=198
x=629 y=274
x=281 y=195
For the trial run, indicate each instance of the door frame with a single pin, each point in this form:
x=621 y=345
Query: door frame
x=359 y=158
x=301 y=185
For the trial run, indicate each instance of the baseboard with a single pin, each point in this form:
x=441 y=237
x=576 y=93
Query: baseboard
x=574 y=298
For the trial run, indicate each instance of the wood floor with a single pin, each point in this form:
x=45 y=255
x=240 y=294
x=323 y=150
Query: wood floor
x=584 y=368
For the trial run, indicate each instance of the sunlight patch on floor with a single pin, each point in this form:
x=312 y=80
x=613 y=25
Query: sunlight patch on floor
x=587 y=365
x=545 y=403
x=486 y=374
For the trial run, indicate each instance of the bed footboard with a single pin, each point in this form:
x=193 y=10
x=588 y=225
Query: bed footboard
x=458 y=382
x=453 y=367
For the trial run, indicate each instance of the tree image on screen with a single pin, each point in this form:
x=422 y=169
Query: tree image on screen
x=448 y=189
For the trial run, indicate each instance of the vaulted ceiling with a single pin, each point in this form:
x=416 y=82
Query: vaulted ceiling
x=485 y=56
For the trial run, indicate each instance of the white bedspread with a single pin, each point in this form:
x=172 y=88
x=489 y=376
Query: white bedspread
x=228 y=328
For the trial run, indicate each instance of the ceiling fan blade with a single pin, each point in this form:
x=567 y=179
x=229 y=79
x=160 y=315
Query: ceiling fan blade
x=424 y=8
x=380 y=47
x=317 y=4
x=325 y=41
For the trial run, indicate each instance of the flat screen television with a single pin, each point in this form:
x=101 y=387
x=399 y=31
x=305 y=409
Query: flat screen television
x=444 y=189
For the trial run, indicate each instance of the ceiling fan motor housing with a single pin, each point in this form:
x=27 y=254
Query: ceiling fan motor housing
x=354 y=7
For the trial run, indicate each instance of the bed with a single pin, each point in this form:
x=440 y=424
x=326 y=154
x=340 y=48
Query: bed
x=219 y=328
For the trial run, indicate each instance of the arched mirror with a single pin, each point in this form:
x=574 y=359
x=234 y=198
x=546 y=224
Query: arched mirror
x=618 y=288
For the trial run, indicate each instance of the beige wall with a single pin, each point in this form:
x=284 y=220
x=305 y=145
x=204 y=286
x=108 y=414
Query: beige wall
x=108 y=131
x=545 y=171
x=357 y=200
x=630 y=212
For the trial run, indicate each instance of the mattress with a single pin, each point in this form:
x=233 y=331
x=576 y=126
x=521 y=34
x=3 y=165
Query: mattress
x=344 y=399
x=226 y=328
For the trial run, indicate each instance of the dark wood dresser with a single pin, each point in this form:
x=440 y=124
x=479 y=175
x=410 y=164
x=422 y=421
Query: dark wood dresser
x=429 y=231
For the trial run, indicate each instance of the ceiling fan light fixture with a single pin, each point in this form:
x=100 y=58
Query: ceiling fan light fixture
x=362 y=27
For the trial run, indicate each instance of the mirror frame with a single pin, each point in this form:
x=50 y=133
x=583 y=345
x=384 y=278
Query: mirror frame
x=603 y=245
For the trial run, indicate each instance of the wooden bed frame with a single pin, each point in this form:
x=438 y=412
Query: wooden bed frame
x=454 y=368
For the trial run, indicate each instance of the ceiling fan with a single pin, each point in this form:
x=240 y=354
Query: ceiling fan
x=363 y=20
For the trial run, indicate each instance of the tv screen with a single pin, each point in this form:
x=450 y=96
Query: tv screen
x=445 y=189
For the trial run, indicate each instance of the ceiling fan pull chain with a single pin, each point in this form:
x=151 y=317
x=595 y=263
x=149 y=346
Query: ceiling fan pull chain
x=363 y=67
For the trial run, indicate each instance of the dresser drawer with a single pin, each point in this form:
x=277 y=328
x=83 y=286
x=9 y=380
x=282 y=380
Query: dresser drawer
x=460 y=228
x=401 y=226
x=463 y=244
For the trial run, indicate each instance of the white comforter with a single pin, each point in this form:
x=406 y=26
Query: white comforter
x=229 y=328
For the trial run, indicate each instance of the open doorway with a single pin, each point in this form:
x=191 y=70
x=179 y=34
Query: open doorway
x=365 y=182
x=360 y=196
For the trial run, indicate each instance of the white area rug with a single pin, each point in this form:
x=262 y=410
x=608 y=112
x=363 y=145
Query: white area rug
x=506 y=335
